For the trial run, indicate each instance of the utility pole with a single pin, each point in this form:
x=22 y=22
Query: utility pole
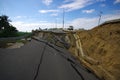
x=100 y=15
x=56 y=22
x=63 y=17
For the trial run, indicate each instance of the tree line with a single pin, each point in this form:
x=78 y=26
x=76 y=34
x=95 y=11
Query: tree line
x=7 y=29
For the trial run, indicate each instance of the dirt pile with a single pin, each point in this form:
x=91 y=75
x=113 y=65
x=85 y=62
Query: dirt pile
x=56 y=38
x=98 y=48
x=100 y=45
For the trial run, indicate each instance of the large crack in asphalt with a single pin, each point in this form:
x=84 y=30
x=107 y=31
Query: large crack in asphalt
x=72 y=61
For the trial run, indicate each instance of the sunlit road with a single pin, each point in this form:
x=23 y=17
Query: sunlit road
x=39 y=61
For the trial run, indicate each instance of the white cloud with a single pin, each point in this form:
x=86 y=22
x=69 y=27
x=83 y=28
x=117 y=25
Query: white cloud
x=22 y=26
x=43 y=21
x=76 y=4
x=117 y=1
x=48 y=11
x=19 y=17
x=65 y=1
x=117 y=11
x=85 y=23
x=111 y=17
x=88 y=11
x=54 y=14
x=100 y=0
x=47 y=2
x=88 y=23
x=103 y=5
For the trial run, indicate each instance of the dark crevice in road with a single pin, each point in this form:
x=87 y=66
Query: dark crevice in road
x=77 y=72
x=73 y=66
x=35 y=61
x=72 y=61
x=61 y=52
x=38 y=67
x=45 y=42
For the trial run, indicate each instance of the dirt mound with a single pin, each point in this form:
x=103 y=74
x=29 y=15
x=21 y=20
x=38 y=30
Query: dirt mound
x=102 y=44
x=56 y=38
x=98 y=48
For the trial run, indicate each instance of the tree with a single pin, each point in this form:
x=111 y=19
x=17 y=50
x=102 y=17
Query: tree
x=4 y=22
x=6 y=29
x=70 y=28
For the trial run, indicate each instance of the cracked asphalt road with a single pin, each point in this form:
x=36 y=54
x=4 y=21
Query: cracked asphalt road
x=39 y=61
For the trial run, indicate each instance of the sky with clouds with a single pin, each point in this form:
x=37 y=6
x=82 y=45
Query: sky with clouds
x=27 y=15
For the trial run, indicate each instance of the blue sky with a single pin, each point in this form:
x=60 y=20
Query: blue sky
x=32 y=14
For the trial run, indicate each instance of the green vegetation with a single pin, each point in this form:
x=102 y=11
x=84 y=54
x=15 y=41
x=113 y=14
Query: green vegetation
x=71 y=28
x=23 y=33
x=6 y=29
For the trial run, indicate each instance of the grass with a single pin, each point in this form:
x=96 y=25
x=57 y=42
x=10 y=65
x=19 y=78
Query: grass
x=22 y=41
x=22 y=33
x=18 y=34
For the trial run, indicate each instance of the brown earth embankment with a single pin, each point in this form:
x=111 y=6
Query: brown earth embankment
x=99 y=49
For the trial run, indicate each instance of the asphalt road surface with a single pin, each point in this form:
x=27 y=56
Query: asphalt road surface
x=40 y=61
